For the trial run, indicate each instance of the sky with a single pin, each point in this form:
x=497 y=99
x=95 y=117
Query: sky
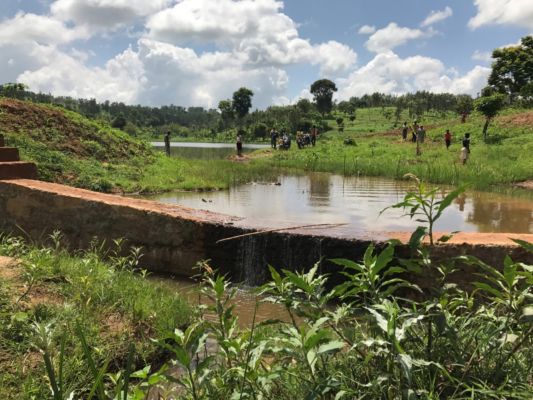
x=198 y=52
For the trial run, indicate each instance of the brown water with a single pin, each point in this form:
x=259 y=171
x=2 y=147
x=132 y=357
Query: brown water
x=244 y=302
x=320 y=198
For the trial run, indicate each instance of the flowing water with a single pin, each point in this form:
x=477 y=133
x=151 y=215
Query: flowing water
x=244 y=301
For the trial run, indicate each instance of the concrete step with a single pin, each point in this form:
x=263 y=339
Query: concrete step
x=2 y=141
x=18 y=170
x=9 y=154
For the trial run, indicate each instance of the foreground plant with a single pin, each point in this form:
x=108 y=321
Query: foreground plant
x=423 y=203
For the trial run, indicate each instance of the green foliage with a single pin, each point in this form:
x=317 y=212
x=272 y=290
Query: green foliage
x=423 y=203
x=512 y=68
x=357 y=339
x=322 y=91
x=489 y=106
x=98 y=316
x=242 y=102
x=465 y=104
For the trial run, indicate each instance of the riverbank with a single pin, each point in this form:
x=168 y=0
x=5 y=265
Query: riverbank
x=52 y=302
x=73 y=150
x=494 y=167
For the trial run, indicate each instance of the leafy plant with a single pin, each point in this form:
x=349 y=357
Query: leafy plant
x=424 y=205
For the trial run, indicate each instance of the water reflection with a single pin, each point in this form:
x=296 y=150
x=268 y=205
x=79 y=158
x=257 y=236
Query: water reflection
x=356 y=202
x=494 y=215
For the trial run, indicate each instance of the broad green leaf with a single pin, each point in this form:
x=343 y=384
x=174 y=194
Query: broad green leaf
x=444 y=203
x=525 y=245
x=416 y=237
x=383 y=259
x=330 y=346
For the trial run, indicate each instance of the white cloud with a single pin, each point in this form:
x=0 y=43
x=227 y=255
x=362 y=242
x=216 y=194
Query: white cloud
x=388 y=73
x=62 y=74
x=254 y=29
x=506 y=12
x=367 y=29
x=105 y=13
x=437 y=16
x=485 y=56
x=39 y=29
x=333 y=58
x=393 y=36
x=158 y=73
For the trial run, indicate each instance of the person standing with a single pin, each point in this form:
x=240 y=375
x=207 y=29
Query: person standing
x=464 y=155
x=466 y=142
x=239 y=145
x=273 y=138
x=167 y=143
x=405 y=129
x=314 y=134
x=421 y=134
x=448 y=138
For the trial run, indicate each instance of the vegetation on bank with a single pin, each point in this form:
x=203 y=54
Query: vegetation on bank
x=73 y=150
x=52 y=302
x=365 y=338
x=368 y=146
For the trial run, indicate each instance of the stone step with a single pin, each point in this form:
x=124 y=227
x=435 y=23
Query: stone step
x=18 y=170
x=2 y=141
x=9 y=154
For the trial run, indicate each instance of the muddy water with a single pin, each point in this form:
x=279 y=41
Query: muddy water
x=245 y=301
x=356 y=202
x=205 y=151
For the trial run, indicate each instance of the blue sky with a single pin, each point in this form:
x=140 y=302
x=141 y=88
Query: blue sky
x=197 y=52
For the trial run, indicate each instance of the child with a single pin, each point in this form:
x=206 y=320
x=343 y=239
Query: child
x=447 y=138
x=464 y=155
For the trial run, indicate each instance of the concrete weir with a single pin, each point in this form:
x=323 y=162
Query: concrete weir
x=175 y=238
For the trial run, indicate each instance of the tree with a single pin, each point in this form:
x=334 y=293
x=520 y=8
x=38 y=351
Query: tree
x=260 y=130
x=13 y=90
x=226 y=112
x=242 y=102
x=305 y=106
x=512 y=68
x=489 y=106
x=119 y=122
x=322 y=91
x=464 y=107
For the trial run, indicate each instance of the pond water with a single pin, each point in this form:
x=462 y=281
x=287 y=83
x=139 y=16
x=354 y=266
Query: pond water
x=355 y=202
x=205 y=151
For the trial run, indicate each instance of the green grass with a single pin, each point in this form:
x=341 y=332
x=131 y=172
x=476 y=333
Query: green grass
x=491 y=166
x=101 y=292
x=73 y=150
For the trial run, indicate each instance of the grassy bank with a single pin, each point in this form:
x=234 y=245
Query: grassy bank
x=73 y=150
x=52 y=301
x=495 y=166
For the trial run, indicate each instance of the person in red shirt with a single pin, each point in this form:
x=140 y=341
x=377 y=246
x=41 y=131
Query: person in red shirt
x=447 y=138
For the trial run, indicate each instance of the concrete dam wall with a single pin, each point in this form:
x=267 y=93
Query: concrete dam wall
x=174 y=238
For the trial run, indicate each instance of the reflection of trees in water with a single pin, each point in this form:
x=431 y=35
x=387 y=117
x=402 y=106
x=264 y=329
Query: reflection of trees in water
x=497 y=216
x=319 y=191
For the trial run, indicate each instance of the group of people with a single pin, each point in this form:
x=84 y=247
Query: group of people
x=418 y=136
x=282 y=140
x=418 y=133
